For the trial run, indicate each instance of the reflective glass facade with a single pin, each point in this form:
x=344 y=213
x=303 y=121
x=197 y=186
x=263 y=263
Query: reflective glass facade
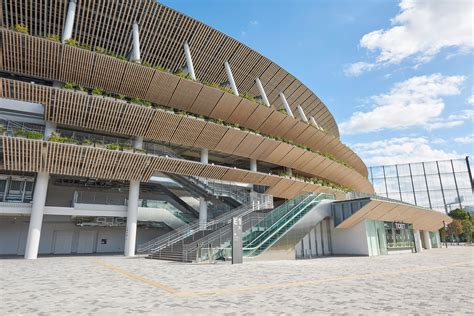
x=441 y=185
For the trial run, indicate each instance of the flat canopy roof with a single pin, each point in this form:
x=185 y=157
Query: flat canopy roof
x=380 y=209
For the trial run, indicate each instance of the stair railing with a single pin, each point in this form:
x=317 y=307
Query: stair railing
x=185 y=231
x=283 y=221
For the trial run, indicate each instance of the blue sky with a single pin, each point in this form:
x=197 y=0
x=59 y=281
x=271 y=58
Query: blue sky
x=406 y=65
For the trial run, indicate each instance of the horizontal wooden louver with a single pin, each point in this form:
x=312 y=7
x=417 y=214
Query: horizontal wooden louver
x=22 y=54
x=79 y=109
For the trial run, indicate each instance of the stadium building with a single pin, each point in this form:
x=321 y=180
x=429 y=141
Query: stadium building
x=130 y=127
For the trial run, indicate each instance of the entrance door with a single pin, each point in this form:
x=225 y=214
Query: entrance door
x=62 y=242
x=86 y=242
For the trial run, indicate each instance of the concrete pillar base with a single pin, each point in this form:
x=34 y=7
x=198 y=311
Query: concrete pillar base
x=36 y=219
x=418 y=245
x=132 y=216
x=427 y=239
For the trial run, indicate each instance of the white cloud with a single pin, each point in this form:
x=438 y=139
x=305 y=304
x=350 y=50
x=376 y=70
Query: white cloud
x=464 y=115
x=401 y=150
x=469 y=139
x=356 y=69
x=470 y=100
x=421 y=30
x=254 y=22
x=441 y=123
x=438 y=141
x=414 y=102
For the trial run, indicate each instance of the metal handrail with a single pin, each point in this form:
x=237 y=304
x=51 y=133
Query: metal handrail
x=218 y=233
x=177 y=237
x=224 y=234
x=188 y=230
x=315 y=199
x=281 y=211
x=12 y=125
x=279 y=219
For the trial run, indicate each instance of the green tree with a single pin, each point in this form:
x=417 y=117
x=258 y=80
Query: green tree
x=443 y=233
x=460 y=214
x=467 y=230
x=455 y=228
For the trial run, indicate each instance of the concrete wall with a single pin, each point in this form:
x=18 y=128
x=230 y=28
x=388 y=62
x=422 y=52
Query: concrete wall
x=59 y=235
x=351 y=241
x=317 y=243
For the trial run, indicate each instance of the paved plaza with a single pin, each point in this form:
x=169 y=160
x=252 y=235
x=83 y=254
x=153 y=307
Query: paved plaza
x=434 y=282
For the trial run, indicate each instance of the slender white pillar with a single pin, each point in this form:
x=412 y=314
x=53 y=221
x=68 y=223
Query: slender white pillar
x=302 y=115
x=135 y=55
x=313 y=121
x=202 y=201
x=202 y=213
x=231 y=78
x=132 y=216
x=69 y=24
x=290 y=172
x=262 y=92
x=138 y=142
x=427 y=239
x=438 y=239
x=253 y=164
x=132 y=209
x=286 y=105
x=39 y=201
x=36 y=219
x=189 y=61
x=49 y=128
x=204 y=155
x=418 y=245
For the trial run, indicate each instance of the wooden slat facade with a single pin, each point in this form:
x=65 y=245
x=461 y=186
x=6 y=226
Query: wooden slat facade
x=77 y=109
x=107 y=25
x=90 y=69
x=26 y=155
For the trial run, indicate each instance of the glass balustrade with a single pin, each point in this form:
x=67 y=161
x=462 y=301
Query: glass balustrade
x=268 y=231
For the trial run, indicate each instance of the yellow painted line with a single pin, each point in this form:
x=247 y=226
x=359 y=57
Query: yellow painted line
x=281 y=285
x=136 y=277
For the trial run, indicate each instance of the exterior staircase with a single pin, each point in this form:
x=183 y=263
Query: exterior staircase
x=171 y=246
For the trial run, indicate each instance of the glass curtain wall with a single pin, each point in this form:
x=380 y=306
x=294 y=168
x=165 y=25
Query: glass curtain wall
x=441 y=185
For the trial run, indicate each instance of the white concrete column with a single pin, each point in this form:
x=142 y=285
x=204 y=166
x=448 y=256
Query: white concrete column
x=204 y=155
x=132 y=209
x=253 y=164
x=189 y=61
x=290 y=172
x=69 y=24
x=135 y=55
x=427 y=239
x=202 y=213
x=132 y=216
x=49 y=128
x=138 y=142
x=231 y=78
x=286 y=105
x=418 y=245
x=262 y=92
x=302 y=115
x=36 y=219
x=313 y=121
x=438 y=239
